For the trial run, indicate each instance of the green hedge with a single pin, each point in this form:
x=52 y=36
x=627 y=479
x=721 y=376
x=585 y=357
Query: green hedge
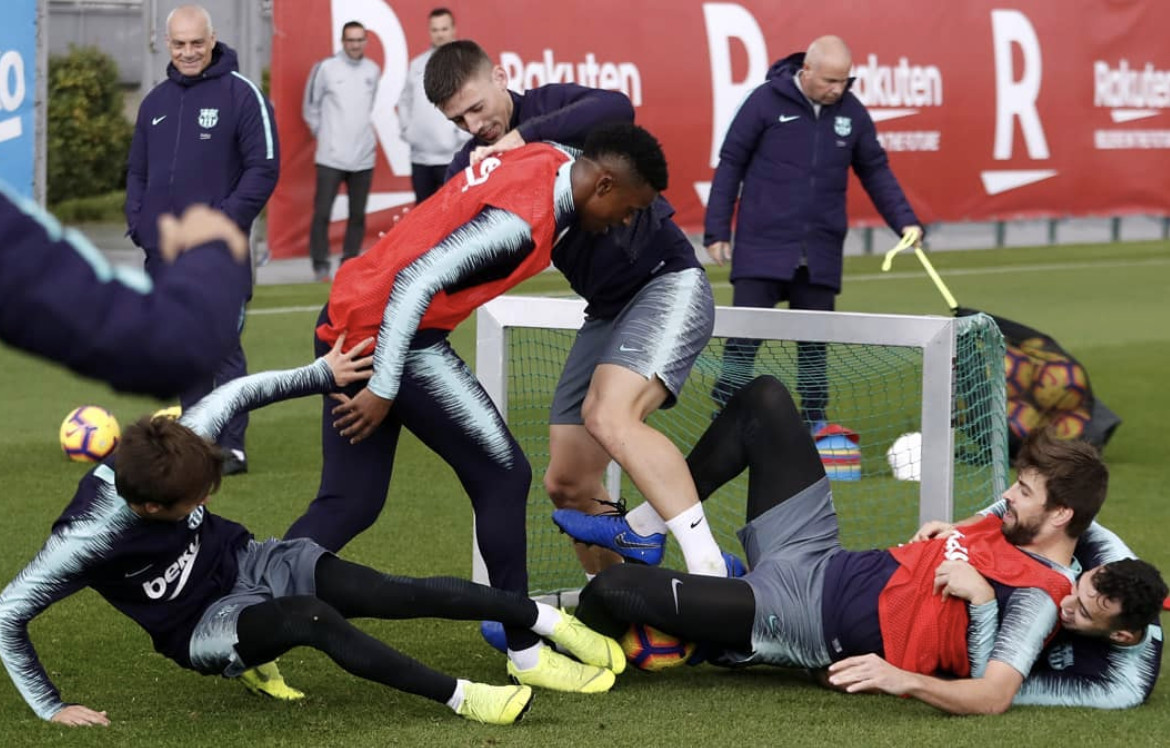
x=103 y=208
x=88 y=136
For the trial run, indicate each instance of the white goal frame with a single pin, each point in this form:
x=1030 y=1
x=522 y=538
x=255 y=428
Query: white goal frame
x=934 y=336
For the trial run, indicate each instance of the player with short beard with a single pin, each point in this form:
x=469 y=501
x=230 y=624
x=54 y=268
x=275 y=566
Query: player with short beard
x=807 y=602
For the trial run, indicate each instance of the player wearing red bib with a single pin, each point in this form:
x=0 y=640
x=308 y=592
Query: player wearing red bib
x=481 y=234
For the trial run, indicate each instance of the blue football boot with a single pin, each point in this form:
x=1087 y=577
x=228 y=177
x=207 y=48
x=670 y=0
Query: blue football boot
x=613 y=532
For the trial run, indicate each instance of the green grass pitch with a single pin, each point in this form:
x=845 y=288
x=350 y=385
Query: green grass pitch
x=1106 y=304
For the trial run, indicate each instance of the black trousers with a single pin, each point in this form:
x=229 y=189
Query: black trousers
x=739 y=354
x=426 y=180
x=357 y=186
x=442 y=403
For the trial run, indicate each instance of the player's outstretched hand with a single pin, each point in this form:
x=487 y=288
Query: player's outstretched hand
x=720 y=252
x=199 y=225
x=511 y=141
x=358 y=416
x=350 y=366
x=869 y=674
x=931 y=530
x=76 y=715
x=960 y=579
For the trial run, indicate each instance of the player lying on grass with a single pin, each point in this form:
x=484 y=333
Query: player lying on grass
x=216 y=601
x=808 y=603
x=478 y=236
x=1108 y=652
x=650 y=310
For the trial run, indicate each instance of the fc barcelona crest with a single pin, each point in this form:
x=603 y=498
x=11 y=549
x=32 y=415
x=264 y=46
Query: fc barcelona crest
x=208 y=118
x=843 y=126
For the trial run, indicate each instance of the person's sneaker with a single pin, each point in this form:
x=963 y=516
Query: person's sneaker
x=559 y=673
x=234 y=462
x=588 y=646
x=266 y=680
x=613 y=532
x=493 y=633
x=735 y=565
x=321 y=275
x=494 y=705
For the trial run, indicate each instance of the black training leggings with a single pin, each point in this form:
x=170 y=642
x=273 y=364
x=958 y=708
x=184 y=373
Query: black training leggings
x=696 y=608
x=762 y=431
x=347 y=590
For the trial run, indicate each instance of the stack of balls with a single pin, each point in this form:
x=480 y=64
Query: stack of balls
x=1045 y=389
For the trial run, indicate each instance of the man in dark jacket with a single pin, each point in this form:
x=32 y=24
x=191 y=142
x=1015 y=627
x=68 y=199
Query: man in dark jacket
x=206 y=134
x=790 y=148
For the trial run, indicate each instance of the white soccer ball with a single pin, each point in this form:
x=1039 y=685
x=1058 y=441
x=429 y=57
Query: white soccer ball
x=905 y=457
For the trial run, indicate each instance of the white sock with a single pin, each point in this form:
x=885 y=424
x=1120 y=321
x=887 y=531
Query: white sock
x=547 y=618
x=698 y=545
x=526 y=659
x=456 y=699
x=644 y=520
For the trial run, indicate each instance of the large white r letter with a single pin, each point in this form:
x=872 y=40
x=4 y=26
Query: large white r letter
x=1016 y=98
x=724 y=22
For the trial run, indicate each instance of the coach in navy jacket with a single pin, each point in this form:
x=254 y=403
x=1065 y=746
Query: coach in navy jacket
x=790 y=147
x=206 y=134
x=209 y=138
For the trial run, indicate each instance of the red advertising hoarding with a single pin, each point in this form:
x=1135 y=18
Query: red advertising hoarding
x=989 y=110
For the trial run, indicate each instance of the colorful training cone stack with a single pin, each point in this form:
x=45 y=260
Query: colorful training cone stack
x=839 y=450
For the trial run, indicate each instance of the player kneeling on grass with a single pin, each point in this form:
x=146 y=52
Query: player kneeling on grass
x=216 y=601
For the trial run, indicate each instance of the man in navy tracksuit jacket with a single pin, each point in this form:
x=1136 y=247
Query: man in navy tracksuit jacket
x=206 y=134
x=790 y=147
x=60 y=299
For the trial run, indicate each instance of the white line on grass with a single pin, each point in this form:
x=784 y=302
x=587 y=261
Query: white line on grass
x=286 y=309
x=863 y=278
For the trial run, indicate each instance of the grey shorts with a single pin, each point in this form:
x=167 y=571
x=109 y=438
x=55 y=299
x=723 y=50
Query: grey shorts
x=788 y=548
x=659 y=333
x=268 y=570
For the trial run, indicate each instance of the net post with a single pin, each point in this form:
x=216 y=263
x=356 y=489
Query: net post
x=938 y=440
x=491 y=367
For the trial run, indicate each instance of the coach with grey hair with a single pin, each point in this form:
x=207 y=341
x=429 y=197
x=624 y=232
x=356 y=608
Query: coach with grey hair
x=790 y=148
x=205 y=134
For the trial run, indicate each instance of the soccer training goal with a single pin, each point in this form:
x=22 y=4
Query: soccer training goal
x=887 y=375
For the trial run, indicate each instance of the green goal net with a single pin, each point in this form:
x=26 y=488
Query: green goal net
x=887 y=375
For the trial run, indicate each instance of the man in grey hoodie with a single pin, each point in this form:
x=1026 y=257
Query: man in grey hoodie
x=433 y=139
x=339 y=100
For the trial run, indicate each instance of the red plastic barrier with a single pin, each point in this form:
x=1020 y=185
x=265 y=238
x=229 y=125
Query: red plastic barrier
x=988 y=111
